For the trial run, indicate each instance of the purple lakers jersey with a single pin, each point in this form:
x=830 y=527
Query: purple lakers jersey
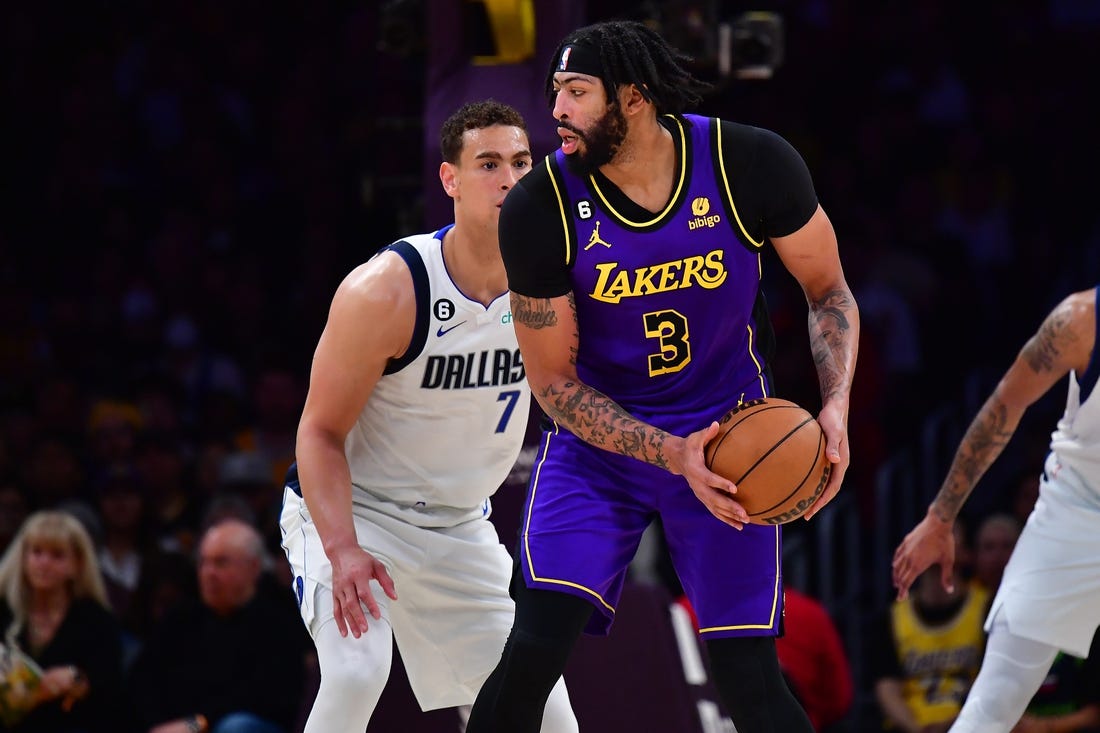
x=665 y=305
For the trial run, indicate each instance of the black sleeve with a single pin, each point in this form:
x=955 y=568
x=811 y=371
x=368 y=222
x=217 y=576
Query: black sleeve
x=532 y=235
x=770 y=182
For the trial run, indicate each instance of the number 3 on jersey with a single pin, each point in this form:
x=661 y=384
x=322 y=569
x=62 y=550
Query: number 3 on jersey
x=670 y=328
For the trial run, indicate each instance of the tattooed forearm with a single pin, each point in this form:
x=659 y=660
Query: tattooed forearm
x=599 y=420
x=534 y=313
x=834 y=341
x=986 y=437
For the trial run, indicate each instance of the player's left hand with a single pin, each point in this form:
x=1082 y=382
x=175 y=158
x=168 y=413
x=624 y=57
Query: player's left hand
x=835 y=427
x=931 y=541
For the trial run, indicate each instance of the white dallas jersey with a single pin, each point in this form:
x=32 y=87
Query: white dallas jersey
x=1050 y=591
x=1076 y=440
x=446 y=422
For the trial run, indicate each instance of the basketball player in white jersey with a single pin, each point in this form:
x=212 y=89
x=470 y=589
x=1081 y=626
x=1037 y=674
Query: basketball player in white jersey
x=1049 y=597
x=416 y=411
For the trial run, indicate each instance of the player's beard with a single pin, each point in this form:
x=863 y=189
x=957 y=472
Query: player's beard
x=601 y=142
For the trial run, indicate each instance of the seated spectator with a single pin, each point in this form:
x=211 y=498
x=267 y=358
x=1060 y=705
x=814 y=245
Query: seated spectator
x=54 y=609
x=120 y=499
x=113 y=428
x=233 y=660
x=52 y=472
x=927 y=652
x=174 y=511
x=277 y=399
x=1069 y=699
x=993 y=545
x=167 y=581
x=813 y=659
x=1024 y=492
x=247 y=475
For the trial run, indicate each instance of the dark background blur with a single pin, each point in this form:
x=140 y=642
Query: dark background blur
x=186 y=182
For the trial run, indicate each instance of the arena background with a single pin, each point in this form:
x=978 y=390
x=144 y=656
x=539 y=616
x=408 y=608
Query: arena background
x=187 y=181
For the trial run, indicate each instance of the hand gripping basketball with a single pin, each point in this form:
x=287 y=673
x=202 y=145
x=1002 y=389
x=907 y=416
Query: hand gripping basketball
x=775 y=452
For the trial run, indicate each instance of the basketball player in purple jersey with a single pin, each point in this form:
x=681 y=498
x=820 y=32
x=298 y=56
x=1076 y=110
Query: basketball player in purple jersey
x=634 y=261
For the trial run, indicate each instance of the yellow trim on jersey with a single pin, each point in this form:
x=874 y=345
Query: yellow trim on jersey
x=527 y=528
x=561 y=210
x=775 y=598
x=726 y=185
x=752 y=355
x=672 y=200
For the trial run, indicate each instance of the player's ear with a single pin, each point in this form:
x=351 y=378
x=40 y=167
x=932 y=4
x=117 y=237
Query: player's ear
x=632 y=99
x=448 y=176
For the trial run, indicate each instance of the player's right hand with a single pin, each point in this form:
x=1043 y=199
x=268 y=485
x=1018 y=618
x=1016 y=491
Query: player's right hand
x=716 y=493
x=353 y=568
x=932 y=541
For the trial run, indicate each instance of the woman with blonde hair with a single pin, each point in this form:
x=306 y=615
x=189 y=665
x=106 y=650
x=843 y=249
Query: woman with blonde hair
x=53 y=610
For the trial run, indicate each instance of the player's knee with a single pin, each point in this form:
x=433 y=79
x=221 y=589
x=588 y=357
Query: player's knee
x=1012 y=670
x=355 y=667
x=750 y=683
x=542 y=658
x=995 y=704
x=354 y=676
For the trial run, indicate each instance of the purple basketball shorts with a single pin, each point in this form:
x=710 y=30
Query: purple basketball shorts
x=585 y=513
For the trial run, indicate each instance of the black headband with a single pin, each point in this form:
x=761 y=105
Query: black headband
x=581 y=59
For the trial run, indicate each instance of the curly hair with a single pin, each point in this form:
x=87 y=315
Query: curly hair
x=475 y=116
x=631 y=52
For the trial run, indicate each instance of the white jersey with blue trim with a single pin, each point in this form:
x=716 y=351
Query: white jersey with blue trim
x=1050 y=590
x=446 y=422
x=1075 y=442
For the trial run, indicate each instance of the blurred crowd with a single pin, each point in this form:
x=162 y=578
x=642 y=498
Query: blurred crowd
x=187 y=182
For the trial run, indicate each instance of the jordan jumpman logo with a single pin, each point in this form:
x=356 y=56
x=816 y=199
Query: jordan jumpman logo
x=595 y=238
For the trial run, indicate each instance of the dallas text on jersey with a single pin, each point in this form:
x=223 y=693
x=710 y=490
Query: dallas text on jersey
x=495 y=368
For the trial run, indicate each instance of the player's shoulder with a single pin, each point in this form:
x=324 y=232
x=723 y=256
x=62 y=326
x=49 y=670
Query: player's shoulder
x=744 y=137
x=1073 y=323
x=539 y=183
x=534 y=196
x=1075 y=315
x=386 y=279
x=1082 y=300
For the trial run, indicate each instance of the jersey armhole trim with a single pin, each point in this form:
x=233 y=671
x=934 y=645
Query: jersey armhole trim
x=423 y=294
x=1088 y=381
x=563 y=210
x=717 y=142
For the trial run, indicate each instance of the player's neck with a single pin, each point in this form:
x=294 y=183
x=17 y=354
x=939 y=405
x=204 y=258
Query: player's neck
x=645 y=165
x=472 y=256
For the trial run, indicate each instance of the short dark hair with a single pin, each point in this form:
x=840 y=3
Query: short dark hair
x=475 y=116
x=631 y=52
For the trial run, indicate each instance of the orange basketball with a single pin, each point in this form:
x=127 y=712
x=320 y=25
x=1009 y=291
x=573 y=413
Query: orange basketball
x=775 y=452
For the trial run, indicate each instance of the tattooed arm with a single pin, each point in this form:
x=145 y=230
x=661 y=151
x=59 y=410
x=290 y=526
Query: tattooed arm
x=1063 y=342
x=811 y=255
x=549 y=339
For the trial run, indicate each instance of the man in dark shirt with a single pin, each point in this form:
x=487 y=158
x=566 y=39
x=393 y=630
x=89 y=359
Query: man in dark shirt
x=238 y=653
